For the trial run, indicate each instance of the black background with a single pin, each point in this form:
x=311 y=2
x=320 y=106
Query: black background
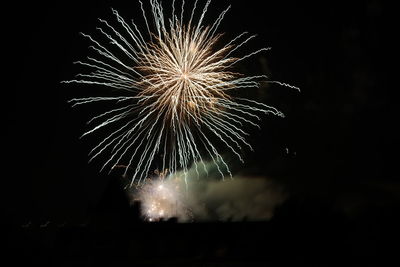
x=340 y=132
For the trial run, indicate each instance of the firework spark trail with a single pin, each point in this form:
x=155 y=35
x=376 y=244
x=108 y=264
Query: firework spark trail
x=174 y=90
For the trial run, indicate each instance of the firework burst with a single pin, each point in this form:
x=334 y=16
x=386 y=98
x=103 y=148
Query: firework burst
x=174 y=85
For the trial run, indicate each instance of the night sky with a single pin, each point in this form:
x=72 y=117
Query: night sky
x=334 y=153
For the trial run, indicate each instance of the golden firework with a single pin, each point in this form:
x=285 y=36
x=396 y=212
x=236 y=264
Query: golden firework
x=174 y=83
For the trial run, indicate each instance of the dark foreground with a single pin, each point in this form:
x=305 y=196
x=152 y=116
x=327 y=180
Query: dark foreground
x=297 y=235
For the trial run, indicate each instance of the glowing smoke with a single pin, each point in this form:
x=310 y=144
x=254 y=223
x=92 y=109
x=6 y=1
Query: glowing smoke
x=243 y=198
x=162 y=199
x=208 y=198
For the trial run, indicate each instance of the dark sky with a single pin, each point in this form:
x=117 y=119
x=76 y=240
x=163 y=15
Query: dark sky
x=340 y=131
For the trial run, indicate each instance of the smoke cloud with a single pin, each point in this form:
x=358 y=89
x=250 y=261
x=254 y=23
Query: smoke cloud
x=240 y=198
x=201 y=196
